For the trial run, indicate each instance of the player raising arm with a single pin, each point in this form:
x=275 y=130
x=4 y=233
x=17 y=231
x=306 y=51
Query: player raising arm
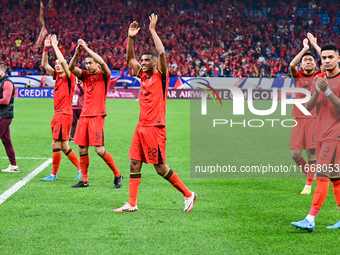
x=148 y=142
x=303 y=134
x=90 y=131
x=62 y=120
x=326 y=100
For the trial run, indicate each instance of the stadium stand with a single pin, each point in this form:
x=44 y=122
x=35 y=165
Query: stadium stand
x=226 y=38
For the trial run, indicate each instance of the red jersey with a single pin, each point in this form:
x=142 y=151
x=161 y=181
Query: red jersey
x=95 y=89
x=63 y=93
x=152 y=98
x=305 y=82
x=327 y=116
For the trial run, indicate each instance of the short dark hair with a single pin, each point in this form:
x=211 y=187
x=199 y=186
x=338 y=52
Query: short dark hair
x=330 y=47
x=3 y=66
x=89 y=56
x=152 y=53
x=308 y=53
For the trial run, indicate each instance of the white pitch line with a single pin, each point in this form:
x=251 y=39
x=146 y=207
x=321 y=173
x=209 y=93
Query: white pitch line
x=22 y=182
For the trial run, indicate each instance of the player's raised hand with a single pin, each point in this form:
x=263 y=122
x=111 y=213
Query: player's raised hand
x=79 y=49
x=323 y=84
x=153 y=20
x=82 y=43
x=305 y=43
x=312 y=39
x=47 y=42
x=316 y=82
x=133 y=29
x=54 y=40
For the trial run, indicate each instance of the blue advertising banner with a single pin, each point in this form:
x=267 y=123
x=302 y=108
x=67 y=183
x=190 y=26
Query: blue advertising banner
x=36 y=92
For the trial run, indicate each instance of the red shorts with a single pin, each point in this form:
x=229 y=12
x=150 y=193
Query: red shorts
x=303 y=134
x=60 y=126
x=90 y=131
x=148 y=145
x=328 y=161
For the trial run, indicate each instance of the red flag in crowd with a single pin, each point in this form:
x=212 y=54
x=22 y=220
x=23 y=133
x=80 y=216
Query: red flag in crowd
x=42 y=35
x=50 y=4
x=73 y=46
x=41 y=14
x=125 y=44
x=114 y=82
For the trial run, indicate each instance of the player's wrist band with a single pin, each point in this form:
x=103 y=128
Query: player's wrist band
x=328 y=92
x=45 y=49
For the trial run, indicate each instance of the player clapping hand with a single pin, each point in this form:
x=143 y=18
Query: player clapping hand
x=48 y=43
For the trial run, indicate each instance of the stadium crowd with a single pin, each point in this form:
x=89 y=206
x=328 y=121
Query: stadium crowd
x=225 y=38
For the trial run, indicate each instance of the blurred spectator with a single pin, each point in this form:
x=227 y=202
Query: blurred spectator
x=42 y=83
x=244 y=38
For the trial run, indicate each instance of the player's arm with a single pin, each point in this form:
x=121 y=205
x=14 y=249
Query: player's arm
x=158 y=43
x=293 y=64
x=7 y=93
x=103 y=66
x=313 y=42
x=130 y=52
x=60 y=56
x=44 y=61
x=323 y=85
x=72 y=67
x=314 y=98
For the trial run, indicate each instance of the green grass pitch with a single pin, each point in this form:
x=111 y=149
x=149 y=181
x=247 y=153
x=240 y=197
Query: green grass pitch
x=231 y=215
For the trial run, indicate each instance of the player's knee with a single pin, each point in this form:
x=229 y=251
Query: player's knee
x=160 y=169
x=56 y=144
x=82 y=149
x=296 y=155
x=64 y=147
x=135 y=166
x=311 y=154
x=100 y=150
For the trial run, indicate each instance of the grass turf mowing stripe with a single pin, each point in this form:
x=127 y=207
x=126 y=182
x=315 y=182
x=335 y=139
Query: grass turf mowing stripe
x=22 y=182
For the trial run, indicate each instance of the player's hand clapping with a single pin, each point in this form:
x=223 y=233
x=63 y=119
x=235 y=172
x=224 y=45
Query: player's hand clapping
x=305 y=43
x=320 y=84
x=82 y=43
x=48 y=43
x=79 y=50
x=312 y=39
x=54 y=40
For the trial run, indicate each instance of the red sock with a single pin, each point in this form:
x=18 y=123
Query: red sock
x=336 y=191
x=72 y=156
x=84 y=166
x=310 y=174
x=172 y=177
x=320 y=194
x=111 y=163
x=56 y=158
x=135 y=179
x=302 y=165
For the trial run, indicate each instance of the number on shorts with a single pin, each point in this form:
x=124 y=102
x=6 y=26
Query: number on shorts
x=152 y=152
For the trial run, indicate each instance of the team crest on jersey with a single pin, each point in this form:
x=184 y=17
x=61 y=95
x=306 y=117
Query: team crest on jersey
x=143 y=91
